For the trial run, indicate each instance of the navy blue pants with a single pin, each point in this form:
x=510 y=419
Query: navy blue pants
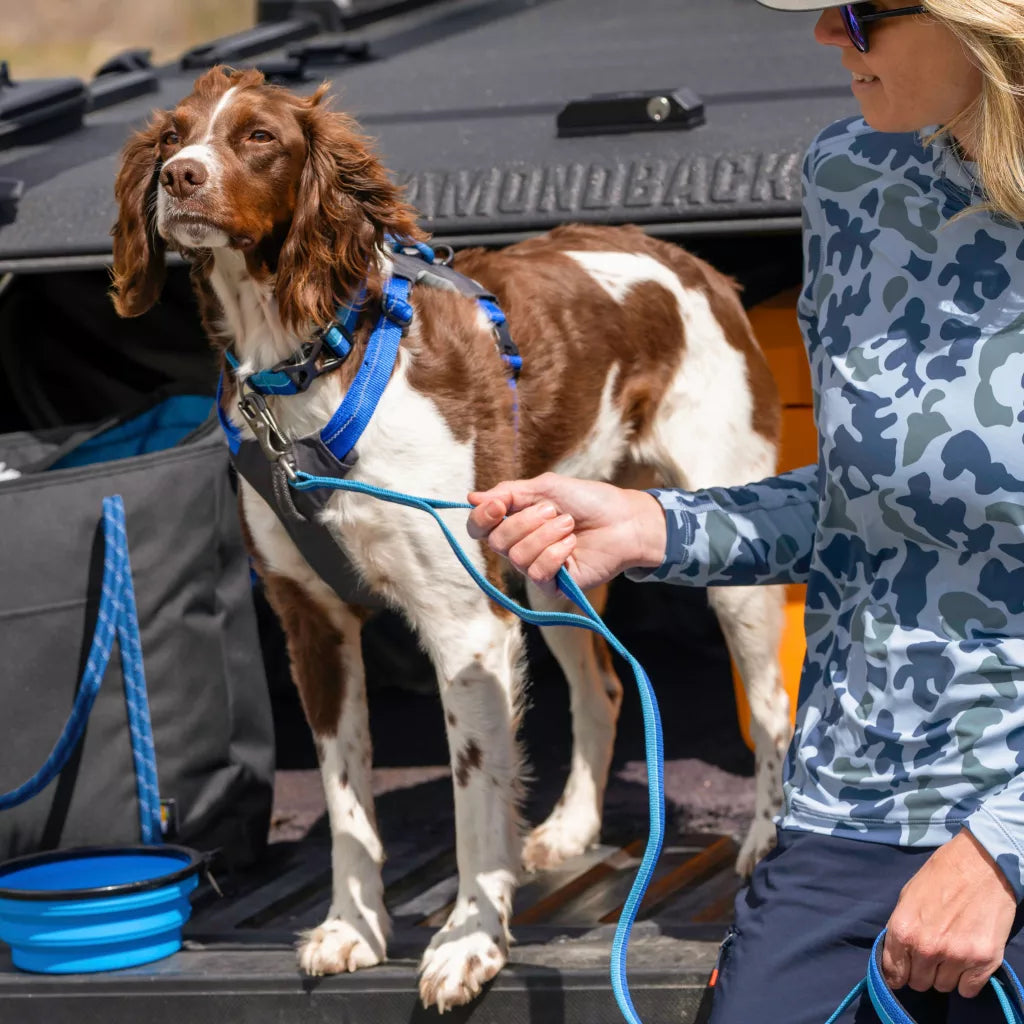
x=804 y=928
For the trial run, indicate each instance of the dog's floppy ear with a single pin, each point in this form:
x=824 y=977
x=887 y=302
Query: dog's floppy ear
x=345 y=205
x=139 y=269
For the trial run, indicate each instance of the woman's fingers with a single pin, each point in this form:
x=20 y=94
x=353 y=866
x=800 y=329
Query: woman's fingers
x=947 y=976
x=895 y=960
x=500 y=501
x=531 y=552
x=536 y=539
x=487 y=514
x=544 y=569
x=517 y=495
x=922 y=971
x=517 y=527
x=973 y=980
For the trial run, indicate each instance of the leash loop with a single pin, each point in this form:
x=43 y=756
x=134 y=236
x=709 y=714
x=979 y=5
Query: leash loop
x=1007 y=987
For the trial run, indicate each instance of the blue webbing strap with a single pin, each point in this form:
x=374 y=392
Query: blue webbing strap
x=231 y=432
x=117 y=614
x=589 y=620
x=891 y=1011
x=512 y=359
x=349 y=421
x=424 y=251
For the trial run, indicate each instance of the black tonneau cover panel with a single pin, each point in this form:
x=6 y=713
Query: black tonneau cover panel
x=463 y=97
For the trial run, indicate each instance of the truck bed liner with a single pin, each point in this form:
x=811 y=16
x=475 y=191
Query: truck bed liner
x=238 y=964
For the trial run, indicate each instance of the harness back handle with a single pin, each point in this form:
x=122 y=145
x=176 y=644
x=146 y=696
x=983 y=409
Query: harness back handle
x=890 y=1010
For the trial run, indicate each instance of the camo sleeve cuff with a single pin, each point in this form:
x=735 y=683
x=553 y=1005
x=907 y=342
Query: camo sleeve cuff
x=755 y=533
x=1002 y=839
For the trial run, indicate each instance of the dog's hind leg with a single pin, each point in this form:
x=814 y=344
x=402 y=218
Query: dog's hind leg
x=595 y=695
x=751 y=621
x=695 y=446
x=323 y=637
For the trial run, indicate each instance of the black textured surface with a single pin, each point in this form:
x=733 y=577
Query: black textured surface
x=259 y=988
x=463 y=97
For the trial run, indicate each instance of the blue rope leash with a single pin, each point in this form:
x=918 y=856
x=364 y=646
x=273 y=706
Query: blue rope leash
x=848 y=999
x=117 y=614
x=589 y=620
x=891 y=1012
x=1008 y=990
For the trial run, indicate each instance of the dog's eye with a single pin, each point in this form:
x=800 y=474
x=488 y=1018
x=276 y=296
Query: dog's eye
x=170 y=138
x=260 y=135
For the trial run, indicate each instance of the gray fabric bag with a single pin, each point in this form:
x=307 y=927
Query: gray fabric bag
x=208 y=695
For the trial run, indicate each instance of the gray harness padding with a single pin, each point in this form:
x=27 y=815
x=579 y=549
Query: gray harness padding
x=297 y=511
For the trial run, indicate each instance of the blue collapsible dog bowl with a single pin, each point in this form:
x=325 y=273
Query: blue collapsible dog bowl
x=96 y=909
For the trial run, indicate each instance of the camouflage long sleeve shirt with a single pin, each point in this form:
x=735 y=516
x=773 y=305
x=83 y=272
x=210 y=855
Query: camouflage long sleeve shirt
x=910 y=530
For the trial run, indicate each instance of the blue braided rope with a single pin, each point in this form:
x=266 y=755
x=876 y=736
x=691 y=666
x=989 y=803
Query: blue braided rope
x=116 y=615
x=589 y=620
x=95 y=666
x=139 y=724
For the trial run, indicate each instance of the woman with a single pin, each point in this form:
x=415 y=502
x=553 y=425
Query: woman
x=904 y=784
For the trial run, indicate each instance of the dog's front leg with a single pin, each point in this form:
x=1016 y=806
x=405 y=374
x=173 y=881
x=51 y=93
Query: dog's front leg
x=324 y=646
x=478 y=664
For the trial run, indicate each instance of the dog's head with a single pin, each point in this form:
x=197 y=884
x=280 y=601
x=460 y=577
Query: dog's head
x=240 y=164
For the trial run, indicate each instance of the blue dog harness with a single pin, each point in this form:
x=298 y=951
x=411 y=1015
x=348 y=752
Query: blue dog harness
x=271 y=462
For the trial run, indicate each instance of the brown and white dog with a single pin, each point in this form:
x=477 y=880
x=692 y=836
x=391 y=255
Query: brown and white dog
x=636 y=355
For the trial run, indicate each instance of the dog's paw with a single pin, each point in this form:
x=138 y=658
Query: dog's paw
x=760 y=839
x=456 y=966
x=556 y=840
x=337 y=946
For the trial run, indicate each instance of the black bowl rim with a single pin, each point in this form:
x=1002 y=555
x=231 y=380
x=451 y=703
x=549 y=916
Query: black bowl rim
x=194 y=859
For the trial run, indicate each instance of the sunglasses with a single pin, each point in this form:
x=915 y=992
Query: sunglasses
x=857 y=17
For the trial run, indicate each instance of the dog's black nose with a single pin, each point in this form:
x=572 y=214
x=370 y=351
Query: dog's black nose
x=182 y=177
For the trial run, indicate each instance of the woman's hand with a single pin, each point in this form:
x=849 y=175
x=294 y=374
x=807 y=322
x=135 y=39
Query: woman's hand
x=952 y=921
x=597 y=529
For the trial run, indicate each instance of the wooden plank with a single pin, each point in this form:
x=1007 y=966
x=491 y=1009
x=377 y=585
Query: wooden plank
x=618 y=861
x=719 y=853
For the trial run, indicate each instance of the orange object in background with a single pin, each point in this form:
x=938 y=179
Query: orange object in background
x=777 y=331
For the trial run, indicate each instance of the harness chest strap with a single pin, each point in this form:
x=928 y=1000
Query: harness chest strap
x=293 y=375
x=271 y=462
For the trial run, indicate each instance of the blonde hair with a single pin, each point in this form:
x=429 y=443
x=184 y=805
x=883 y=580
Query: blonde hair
x=992 y=33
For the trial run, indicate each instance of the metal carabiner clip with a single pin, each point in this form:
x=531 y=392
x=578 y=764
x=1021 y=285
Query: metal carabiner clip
x=274 y=445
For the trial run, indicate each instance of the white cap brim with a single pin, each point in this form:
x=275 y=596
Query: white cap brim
x=798 y=5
